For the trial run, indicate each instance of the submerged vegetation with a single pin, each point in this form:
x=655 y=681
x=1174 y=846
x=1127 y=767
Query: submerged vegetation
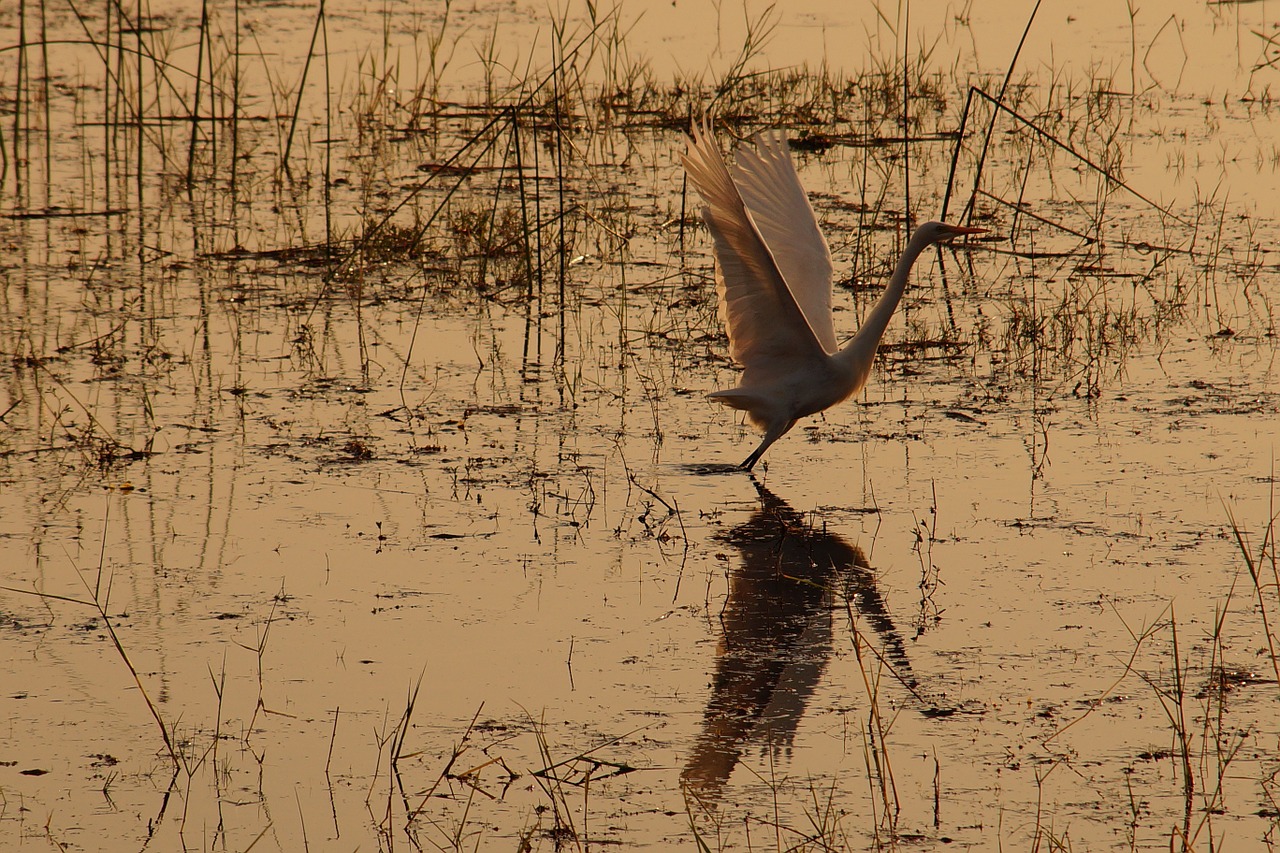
x=466 y=291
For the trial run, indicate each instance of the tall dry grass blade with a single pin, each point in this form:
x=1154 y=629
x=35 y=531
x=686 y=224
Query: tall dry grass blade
x=1004 y=87
x=202 y=40
x=955 y=155
x=907 y=218
x=235 y=106
x=302 y=87
x=19 y=102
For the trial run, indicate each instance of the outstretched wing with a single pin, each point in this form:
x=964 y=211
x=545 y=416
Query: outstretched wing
x=767 y=328
x=767 y=181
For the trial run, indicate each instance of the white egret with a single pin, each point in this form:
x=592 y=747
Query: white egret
x=773 y=279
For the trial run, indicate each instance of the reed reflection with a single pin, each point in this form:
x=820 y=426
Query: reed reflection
x=777 y=635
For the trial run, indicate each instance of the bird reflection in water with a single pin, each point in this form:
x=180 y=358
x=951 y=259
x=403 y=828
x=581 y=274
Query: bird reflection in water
x=778 y=635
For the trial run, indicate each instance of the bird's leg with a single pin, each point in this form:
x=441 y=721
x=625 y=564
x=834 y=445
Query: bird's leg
x=774 y=433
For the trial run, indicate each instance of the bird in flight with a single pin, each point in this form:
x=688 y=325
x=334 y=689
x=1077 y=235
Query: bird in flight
x=773 y=280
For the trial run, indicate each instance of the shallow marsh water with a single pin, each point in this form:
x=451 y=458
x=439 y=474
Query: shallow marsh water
x=417 y=531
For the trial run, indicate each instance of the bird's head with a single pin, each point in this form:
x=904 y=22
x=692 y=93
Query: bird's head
x=933 y=232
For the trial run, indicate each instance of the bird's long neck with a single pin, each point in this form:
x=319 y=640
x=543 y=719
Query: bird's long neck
x=859 y=351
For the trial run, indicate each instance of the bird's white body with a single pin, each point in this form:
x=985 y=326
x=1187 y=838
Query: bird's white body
x=774 y=277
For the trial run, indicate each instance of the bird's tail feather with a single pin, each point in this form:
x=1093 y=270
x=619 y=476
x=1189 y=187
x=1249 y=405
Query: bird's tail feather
x=737 y=398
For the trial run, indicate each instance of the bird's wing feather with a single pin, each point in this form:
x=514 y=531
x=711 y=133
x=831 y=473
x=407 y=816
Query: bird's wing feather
x=767 y=328
x=767 y=181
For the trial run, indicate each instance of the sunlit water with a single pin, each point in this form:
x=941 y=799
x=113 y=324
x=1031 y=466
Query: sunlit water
x=425 y=550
